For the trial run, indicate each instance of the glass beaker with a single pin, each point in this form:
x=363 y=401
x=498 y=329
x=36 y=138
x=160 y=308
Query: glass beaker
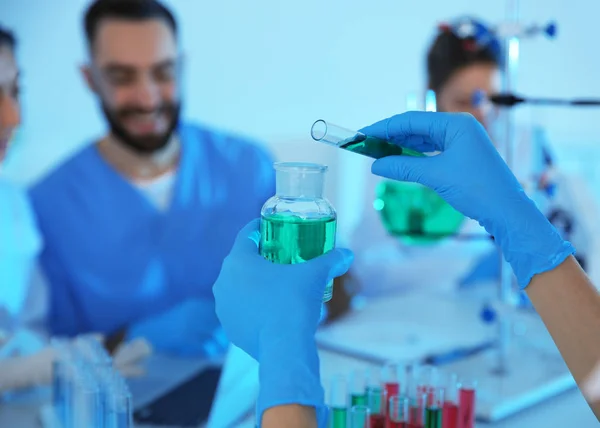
x=298 y=224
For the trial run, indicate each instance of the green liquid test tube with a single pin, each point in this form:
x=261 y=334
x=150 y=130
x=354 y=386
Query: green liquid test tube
x=358 y=388
x=357 y=142
x=434 y=410
x=338 y=417
x=338 y=402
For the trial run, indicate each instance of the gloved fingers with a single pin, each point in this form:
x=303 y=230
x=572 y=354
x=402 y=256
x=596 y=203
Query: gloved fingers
x=401 y=127
x=335 y=262
x=248 y=238
x=408 y=168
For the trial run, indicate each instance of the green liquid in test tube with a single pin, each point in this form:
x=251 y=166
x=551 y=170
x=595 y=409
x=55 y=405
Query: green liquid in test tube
x=338 y=402
x=298 y=224
x=434 y=410
x=410 y=211
x=357 y=142
x=358 y=388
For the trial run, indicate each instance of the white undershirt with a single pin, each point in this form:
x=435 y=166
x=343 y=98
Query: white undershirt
x=159 y=190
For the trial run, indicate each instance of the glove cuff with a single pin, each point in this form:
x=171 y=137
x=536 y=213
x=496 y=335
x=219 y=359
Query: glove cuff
x=529 y=242
x=290 y=375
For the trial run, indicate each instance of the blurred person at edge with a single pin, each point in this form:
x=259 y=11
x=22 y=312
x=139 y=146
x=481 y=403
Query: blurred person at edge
x=20 y=241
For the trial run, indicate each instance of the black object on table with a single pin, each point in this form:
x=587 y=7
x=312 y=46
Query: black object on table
x=188 y=405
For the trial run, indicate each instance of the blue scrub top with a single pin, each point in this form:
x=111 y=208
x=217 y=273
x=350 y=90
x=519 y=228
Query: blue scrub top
x=113 y=259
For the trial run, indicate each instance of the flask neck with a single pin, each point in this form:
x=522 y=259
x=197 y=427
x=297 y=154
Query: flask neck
x=300 y=182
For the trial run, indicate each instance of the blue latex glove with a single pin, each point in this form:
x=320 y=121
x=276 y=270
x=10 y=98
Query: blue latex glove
x=472 y=177
x=271 y=311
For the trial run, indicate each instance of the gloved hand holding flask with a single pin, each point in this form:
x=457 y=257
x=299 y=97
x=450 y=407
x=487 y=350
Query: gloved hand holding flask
x=272 y=311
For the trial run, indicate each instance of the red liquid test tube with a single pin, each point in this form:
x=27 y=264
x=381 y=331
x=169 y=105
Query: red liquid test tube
x=450 y=409
x=427 y=381
x=466 y=404
x=393 y=377
x=398 y=412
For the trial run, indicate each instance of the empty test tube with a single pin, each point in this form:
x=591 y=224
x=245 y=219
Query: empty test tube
x=120 y=406
x=86 y=398
x=360 y=417
x=398 y=412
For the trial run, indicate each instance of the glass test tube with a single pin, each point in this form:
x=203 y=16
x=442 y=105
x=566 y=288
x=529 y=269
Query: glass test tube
x=59 y=373
x=418 y=406
x=427 y=380
x=466 y=403
x=433 y=412
x=86 y=398
x=450 y=411
x=398 y=412
x=393 y=376
x=376 y=404
x=338 y=402
x=120 y=411
x=360 y=417
x=357 y=142
x=358 y=386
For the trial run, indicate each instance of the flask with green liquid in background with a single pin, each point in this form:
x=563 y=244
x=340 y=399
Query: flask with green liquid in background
x=298 y=224
x=415 y=213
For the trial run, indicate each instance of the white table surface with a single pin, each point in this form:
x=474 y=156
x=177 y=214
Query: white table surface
x=566 y=410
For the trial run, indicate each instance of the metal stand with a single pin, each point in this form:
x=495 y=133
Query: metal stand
x=519 y=377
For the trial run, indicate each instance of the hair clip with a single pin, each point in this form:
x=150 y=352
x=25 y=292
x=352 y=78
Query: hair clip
x=470 y=45
x=444 y=27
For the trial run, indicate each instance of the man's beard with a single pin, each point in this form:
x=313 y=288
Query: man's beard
x=146 y=144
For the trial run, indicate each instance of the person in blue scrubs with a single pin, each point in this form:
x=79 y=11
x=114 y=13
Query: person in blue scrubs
x=19 y=238
x=138 y=222
x=282 y=339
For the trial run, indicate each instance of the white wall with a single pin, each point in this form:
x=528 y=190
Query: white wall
x=268 y=68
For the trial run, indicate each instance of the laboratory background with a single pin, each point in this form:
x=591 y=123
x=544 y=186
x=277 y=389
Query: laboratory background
x=436 y=307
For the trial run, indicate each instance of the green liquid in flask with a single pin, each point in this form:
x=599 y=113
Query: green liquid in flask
x=290 y=239
x=377 y=148
x=415 y=213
